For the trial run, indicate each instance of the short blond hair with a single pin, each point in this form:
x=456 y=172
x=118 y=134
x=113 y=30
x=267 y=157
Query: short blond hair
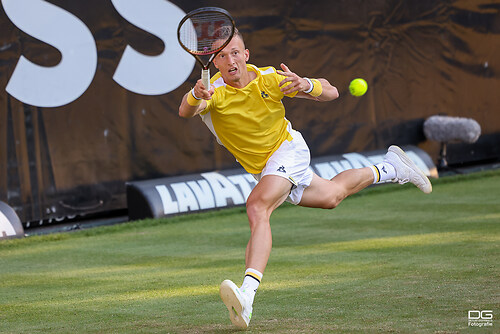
x=225 y=31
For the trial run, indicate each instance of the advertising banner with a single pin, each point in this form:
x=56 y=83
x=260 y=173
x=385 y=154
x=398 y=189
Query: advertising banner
x=227 y=188
x=90 y=90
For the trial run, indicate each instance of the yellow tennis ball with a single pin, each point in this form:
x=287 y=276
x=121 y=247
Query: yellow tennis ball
x=358 y=87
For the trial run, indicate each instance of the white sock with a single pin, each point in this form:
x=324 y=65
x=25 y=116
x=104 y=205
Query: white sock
x=251 y=283
x=382 y=172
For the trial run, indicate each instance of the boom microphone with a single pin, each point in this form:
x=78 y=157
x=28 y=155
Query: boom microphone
x=446 y=129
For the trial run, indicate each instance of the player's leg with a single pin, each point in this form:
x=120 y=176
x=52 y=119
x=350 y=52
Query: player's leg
x=268 y=194
x=327 y=194
x=396 y=167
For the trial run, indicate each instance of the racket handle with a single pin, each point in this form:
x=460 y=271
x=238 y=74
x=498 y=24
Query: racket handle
x=205 y=78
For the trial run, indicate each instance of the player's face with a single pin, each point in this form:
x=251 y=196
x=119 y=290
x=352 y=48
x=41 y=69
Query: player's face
x=231 y=62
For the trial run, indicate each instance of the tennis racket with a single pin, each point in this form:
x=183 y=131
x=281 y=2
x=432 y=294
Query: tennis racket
x=204 y=32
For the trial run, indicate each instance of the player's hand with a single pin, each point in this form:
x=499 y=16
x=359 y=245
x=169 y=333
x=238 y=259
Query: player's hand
x=297 y=83
x=201 y=92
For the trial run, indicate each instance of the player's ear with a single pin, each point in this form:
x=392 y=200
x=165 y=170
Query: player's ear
x=247 y=54
x=215 y=63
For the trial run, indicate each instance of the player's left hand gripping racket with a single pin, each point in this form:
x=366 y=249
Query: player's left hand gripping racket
x=197 y=35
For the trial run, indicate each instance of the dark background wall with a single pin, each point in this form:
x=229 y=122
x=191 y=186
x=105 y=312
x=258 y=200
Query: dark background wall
x=420 y=58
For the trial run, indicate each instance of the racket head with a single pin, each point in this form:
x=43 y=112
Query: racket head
x=201 y=28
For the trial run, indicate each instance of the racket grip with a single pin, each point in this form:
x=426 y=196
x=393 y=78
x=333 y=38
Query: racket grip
x=205 y=78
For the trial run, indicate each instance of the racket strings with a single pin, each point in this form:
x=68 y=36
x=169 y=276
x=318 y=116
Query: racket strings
x=201 y=31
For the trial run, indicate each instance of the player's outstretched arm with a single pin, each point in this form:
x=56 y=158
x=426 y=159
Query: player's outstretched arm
x=194 y=102
x=312 y=89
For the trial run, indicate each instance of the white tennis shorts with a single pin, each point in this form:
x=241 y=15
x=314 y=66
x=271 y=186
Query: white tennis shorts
x=291 y=161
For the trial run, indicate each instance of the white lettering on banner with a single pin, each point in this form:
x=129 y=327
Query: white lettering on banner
x=375 y=159
x=223 y=189
x=341 y=165
x=56 y=86
x=203 y=193
x=169 y=206
x=6 y=228
x=185 y=197
x=61 y=84
x=328 y=170
x=251 y=180
x=357 y=160
x=242 y=182
x=153 y=75
x=215 y=189
x=325 y=170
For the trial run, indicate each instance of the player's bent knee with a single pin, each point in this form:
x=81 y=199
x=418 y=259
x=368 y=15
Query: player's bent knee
x=325 y=200
x=330 y=205
x=332 y=202
x=256 y=211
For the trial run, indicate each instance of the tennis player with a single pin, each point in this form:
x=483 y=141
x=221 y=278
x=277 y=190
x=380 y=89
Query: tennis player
x=243 y=109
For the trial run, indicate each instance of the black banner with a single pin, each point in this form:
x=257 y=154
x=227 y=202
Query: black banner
x=220 y=189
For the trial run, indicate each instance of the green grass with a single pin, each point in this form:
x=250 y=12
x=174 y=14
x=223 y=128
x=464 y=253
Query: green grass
x=389 y=259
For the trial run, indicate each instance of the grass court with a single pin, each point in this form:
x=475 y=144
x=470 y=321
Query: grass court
x=389 y=259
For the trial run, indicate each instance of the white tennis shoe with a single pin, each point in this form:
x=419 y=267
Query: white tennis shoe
x=406 y=170
x=238 y=305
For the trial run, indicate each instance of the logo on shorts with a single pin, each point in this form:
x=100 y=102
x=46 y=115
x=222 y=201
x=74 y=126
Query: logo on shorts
x=281 y=169
x=264 y=94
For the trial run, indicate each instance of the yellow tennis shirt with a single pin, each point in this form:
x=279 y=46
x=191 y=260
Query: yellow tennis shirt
x=250 y=122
